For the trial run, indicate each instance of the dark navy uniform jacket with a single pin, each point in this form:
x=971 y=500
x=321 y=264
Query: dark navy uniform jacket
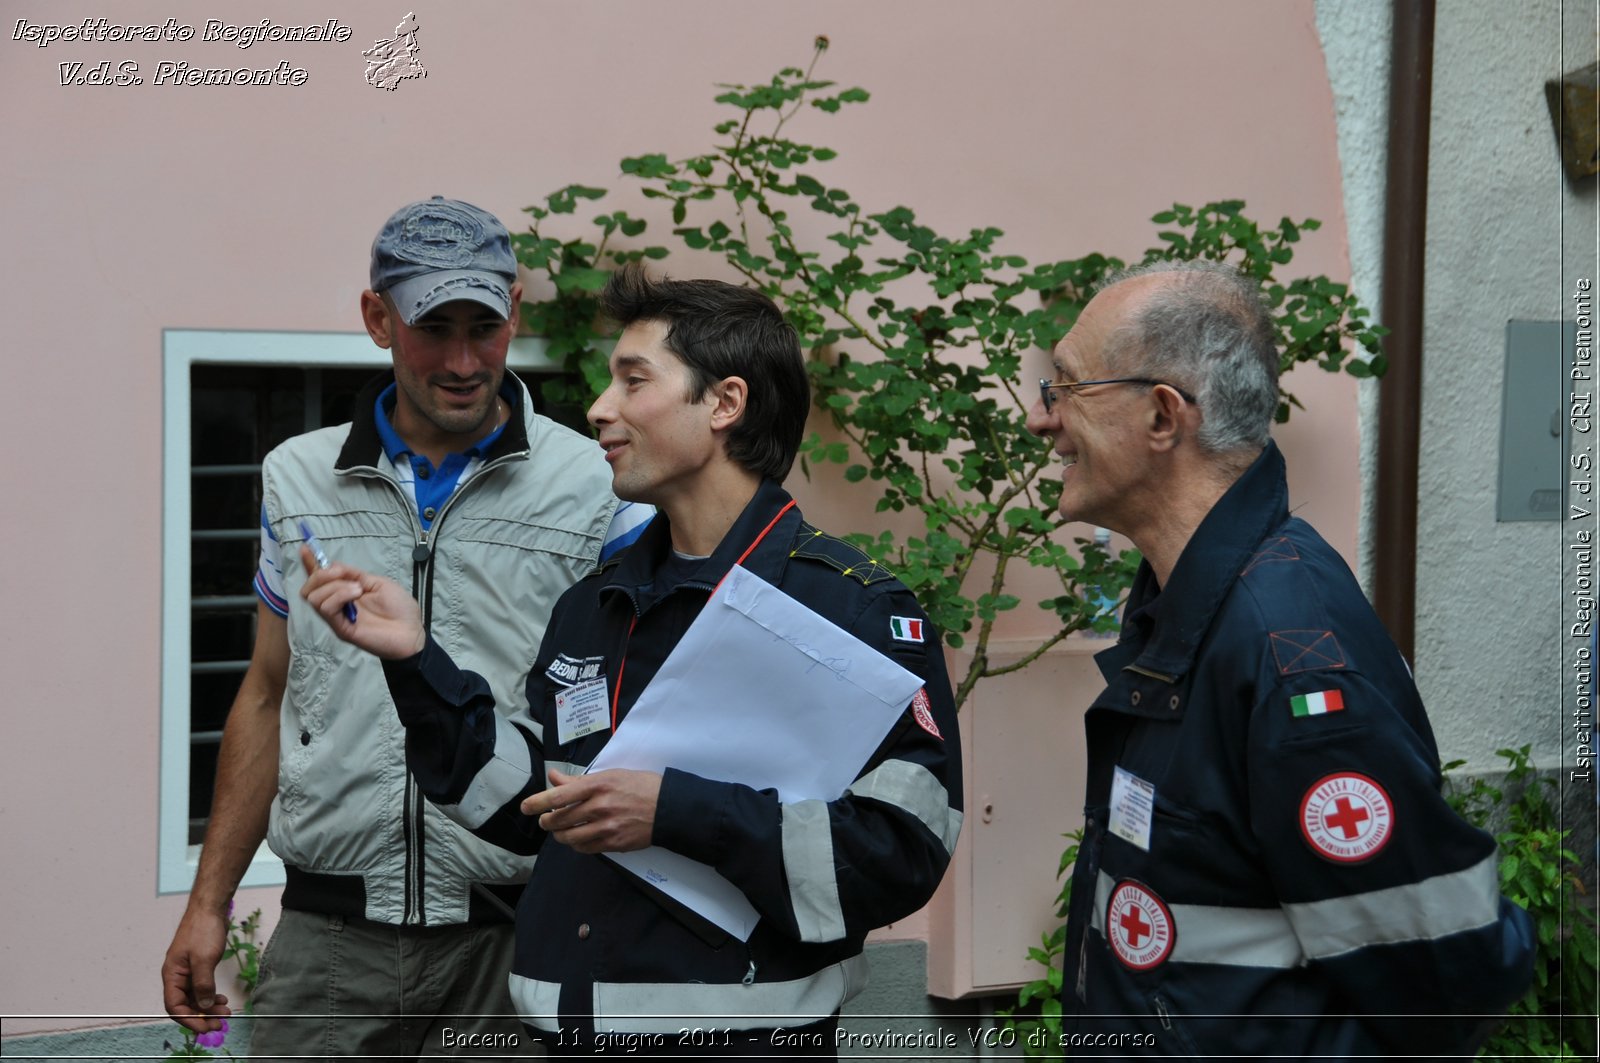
x=1268 y=868
x=598 y=951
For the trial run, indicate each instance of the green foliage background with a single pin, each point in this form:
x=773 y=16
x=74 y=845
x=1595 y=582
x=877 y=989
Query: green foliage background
x=1555 y=1018
x=917 y=341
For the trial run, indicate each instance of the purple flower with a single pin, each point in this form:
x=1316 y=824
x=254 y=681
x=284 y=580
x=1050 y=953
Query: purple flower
x=213 y=1039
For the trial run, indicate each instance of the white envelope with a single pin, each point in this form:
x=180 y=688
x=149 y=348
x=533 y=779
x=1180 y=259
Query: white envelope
x=762 y=691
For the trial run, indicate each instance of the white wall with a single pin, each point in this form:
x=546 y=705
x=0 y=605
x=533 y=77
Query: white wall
x=1508 y=235
x=1356 y=40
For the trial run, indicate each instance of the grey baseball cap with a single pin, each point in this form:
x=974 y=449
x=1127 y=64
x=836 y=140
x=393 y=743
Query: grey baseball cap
x=441 y=250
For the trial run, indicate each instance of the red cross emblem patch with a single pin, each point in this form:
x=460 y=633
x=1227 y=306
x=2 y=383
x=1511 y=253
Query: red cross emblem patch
x=1346 y=817
x=922 y=712
x=1139 y=926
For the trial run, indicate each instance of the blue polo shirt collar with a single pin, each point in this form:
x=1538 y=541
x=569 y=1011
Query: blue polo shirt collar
x=433 y=486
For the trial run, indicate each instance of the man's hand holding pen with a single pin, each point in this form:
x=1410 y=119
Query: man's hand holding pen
x=389 y=623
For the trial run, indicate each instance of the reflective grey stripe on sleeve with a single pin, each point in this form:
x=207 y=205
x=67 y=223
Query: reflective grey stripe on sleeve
x=1236 y=937
x=918 y=791
x=1318 y=930
x=536 y=1002
x=657 y=1007
x=1422 y=911
x=498 y=781
x=808 y=865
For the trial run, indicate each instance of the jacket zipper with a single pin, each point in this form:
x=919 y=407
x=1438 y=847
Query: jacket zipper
x=750 y=975
x=414 y=907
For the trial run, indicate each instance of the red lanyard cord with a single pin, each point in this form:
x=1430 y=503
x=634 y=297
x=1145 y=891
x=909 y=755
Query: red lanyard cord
x=753 y=545
x=616 y=693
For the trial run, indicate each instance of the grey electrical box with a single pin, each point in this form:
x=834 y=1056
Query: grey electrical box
x=1533 y=419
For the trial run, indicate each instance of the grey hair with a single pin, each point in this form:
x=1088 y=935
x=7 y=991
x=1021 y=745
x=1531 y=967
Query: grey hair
x=1207 y=331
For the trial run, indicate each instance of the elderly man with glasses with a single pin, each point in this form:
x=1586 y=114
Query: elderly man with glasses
x=1267 y=867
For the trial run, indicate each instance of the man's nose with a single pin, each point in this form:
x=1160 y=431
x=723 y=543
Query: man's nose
x=600 y=411
x=1042 y=422
x=459 y=356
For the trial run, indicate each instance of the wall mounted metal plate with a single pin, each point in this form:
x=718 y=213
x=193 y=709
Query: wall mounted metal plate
x=1533 y=416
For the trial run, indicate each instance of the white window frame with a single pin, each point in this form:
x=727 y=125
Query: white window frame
x=181 y=349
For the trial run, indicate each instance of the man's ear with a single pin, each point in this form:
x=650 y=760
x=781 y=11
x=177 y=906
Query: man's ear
x=516 y=307
x=728 y=397
x=375 y=315
x=1168 y=418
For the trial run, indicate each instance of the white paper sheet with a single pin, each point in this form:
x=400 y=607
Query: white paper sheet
x=762 y=691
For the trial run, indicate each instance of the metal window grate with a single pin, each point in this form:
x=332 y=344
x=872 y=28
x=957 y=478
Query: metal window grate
x=237 y=414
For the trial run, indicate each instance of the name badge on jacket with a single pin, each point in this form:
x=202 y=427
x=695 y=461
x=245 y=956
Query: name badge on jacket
x=1133 y=805
x=582 y=710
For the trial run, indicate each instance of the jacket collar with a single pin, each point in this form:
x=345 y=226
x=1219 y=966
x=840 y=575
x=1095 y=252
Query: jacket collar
x=1206 y=571
x=363 y=447
x=634 y=573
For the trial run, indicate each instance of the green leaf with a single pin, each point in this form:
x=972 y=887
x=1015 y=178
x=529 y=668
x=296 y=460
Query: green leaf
x=581 y=279
x=926 y=387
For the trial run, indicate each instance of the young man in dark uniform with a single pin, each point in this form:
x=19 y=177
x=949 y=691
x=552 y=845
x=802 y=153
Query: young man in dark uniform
x=704 y=414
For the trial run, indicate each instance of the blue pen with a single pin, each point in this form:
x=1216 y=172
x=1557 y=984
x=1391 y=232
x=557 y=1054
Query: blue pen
x=322 y=562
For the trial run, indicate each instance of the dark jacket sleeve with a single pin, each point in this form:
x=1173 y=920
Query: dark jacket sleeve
x=830 y=870
x=1391 y=893
x=471 y=762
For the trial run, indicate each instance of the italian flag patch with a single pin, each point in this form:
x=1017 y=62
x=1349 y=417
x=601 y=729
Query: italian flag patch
x=905 y=629
x=1317 y=704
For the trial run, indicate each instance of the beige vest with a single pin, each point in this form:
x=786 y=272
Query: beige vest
x=510 y=541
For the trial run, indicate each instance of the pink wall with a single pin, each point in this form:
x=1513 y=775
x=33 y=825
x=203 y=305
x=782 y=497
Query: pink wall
x=133 y=209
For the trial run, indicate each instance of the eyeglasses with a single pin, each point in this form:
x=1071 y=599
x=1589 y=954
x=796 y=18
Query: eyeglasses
x=1046 y=389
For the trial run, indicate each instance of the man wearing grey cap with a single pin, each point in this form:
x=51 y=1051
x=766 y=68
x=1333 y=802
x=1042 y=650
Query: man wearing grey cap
x=395 y=938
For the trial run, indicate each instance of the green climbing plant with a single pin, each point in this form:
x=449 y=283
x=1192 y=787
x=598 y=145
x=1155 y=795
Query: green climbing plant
x=917 y=341
x=1556 y=1018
